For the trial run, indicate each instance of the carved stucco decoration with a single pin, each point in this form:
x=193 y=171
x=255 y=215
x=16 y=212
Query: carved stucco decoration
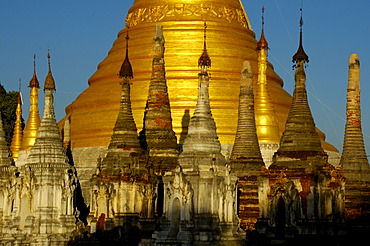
x=180 y=188
x=181 y=10
x=290 y=195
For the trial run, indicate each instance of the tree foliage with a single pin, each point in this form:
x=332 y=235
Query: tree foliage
x=8 y=106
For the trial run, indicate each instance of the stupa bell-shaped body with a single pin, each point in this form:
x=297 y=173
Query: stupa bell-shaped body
x=230 y=40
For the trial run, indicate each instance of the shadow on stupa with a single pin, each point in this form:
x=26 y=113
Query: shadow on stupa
x=120 y=235
x=184 y=125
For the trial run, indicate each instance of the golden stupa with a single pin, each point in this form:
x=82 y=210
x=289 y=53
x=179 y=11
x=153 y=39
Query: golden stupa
x=16 y=144
x=33 y=122
x=230 y=41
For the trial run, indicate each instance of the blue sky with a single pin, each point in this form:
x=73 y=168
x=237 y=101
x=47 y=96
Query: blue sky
x=80 y=33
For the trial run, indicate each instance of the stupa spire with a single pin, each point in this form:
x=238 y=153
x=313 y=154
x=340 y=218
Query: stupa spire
x=125 y=132
x=354 y=160
x=33 y=121
x=246 y=160
x=300 y=55
x=34 y=81
x=262 y=43
x=300 y=133
x=48 y=143
x=204 y=59
x=160 y=138
x=126 y=68
x=246 y=153
x=203 y=108
x=49 y=80
x=202 y=139
x=266 y=121
x=18 y=132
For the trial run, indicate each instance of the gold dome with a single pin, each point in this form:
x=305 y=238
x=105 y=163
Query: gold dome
x=230 y=41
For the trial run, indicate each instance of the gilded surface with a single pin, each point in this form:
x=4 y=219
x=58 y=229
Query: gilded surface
x=33 y=122
x=94 y=112
x=18 y=133
x=266 y=121
x=181 y=10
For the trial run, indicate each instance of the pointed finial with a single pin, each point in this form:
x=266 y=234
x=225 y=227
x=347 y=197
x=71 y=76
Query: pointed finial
x=19 y=99
x=205 y=36
x=301 y=20
x=126 y=68
x=301 y=54
x=262 y=43
x=204 y=59
x=34 y=81
x=127 y=38
x=48 y=56
x=49 y=80
x=17 y=131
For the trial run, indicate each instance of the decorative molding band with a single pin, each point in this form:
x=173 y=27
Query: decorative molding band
x=175 y=11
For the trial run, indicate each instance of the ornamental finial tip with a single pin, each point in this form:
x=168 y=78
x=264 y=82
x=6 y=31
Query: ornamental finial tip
x=262 y=43
x=126 y=68
x=300 y=55
x=204 y=59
